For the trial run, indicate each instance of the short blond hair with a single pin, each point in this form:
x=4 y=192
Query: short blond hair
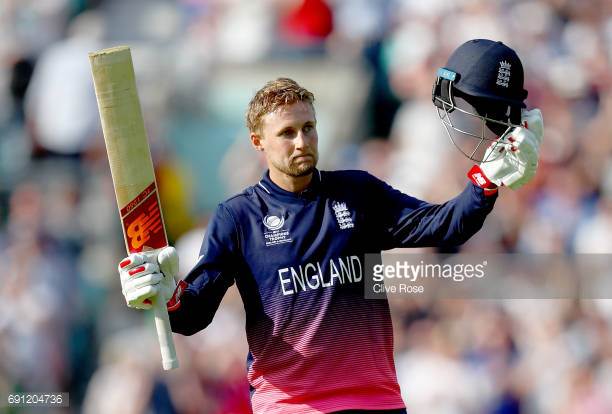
x=274 y=94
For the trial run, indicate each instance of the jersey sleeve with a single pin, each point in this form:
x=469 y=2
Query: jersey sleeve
x=406 y=221
x=198 y=296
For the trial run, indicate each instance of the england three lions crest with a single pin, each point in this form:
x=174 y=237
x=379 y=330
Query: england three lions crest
x=343 y=215
x=503 y=74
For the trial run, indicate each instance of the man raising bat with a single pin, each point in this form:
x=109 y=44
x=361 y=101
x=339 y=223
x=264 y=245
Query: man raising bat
x=294 y=243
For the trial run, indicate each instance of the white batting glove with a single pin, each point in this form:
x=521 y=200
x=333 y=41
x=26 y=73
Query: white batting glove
x=145 y=275
x=515 y=155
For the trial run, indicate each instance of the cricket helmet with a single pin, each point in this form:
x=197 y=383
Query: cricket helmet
x=479 y=95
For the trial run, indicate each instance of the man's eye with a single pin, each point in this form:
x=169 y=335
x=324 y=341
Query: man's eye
x=287 y=133
x=307 y=128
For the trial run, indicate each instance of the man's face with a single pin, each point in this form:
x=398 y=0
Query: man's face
x=289 y=139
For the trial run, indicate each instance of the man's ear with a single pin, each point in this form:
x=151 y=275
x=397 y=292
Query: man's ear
x=256 y=141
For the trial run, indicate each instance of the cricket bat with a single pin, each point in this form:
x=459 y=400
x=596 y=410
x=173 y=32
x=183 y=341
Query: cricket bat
x=132 y=169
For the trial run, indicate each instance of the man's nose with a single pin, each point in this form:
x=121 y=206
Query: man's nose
x=300 y=140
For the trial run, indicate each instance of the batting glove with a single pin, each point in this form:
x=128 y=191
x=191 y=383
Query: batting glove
x=146 y=275
x=512 y=161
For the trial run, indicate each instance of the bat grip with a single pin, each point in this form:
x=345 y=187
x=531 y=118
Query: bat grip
x=164 y=335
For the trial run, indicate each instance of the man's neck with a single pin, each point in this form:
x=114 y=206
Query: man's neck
x=290 y=183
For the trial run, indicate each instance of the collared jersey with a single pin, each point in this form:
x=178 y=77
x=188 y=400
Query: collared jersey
x=316 y=345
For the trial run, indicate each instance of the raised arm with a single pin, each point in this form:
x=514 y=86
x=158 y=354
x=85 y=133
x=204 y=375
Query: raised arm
x=408 y=222
x=197 y=297
x=192 y=302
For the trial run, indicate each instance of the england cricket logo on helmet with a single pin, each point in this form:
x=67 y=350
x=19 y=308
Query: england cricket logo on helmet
x=479 y=96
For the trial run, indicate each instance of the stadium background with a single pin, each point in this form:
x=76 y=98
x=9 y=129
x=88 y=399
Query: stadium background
x=63 y=323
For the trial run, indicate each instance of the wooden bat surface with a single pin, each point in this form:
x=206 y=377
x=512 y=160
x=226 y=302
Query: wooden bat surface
x=131 y=168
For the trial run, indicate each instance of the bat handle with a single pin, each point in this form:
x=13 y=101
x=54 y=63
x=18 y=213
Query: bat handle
x=164 y=335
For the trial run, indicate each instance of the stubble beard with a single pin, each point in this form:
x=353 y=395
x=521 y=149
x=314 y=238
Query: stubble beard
x=297 y=170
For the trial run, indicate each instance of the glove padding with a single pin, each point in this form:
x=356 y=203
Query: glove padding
x=515 y=155
x=146 y=275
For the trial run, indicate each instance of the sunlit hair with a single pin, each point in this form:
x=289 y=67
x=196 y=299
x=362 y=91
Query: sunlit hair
x=274 y=94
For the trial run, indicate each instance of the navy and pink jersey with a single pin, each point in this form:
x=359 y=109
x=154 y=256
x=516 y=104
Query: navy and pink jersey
x=316 y=345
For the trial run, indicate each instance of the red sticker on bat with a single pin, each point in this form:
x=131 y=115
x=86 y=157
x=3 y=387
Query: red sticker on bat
x=142 y=222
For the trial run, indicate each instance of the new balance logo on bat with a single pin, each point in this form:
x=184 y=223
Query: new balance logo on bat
x=142 y=222
x=146 y=224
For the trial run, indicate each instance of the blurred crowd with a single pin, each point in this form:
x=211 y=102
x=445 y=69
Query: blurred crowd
x=63 y=323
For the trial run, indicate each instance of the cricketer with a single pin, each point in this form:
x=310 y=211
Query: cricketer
x=294 y=242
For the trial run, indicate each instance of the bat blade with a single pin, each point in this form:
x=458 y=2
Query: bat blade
x=143 y=225
x=131 y=168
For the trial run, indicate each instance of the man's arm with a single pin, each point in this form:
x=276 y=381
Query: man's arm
x=192 y=302
x=409 y=222
x=197 y=297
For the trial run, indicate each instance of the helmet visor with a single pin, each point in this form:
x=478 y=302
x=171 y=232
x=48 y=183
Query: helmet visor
x=471 y=132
